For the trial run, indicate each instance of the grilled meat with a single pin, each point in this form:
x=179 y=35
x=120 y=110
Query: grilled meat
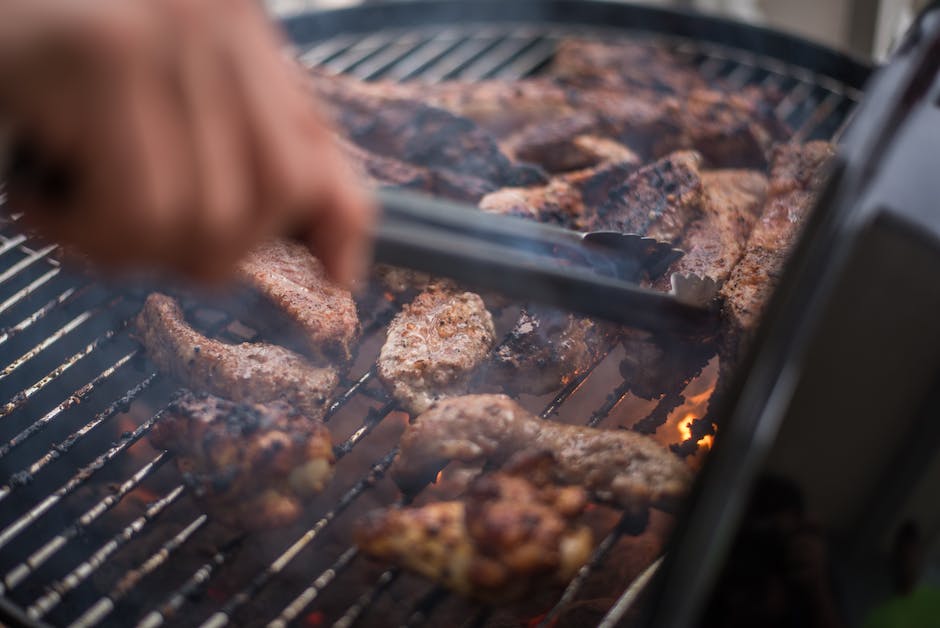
x=252 y=465
x=627 y=66
x=628 y=469
x=508 y=535
x=249 y=372
x=658 y=200
x=434 y=345
x=291 y=278
x=796 y=175
x=545 y=349
x=568 y=200
x=419 y=134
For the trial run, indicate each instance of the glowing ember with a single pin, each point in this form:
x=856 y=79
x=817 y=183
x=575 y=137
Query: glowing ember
x=685 y=431
x=314 y=619
x=438 y=477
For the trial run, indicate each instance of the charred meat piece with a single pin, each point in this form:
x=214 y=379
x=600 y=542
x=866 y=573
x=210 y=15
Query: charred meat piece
x=435 y=345
x=796 y=175
x=558 y=203
x=252 y=465
x=545 y=349
x=658 y=200
x=419 y=134
x=634 y=65
x=250 y=372
x=714 y=243
x=618 y=466
x=507 y=536
x=293 y=280
x=568 y=200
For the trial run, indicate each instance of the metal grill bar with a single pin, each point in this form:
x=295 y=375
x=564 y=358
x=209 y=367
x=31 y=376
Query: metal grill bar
x=103 y=607
x=625 y=601
x=64 y=297
x=367 y=599
x=12 y=243
x=19 y=573
x=309 y=595
x=58 y=449
x=56 y=336
x=377 y=472
x=76 y=398
x=59 y=589
x=26 y=262
x=82 y=476
x=24 y=395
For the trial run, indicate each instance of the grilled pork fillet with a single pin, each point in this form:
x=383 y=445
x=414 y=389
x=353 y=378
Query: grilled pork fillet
x=508 y=535
x=249 y=372
x=658 y=200
x=545 y=349
x=625 y=468
x=252 y=465
x=292 y=279
x=568 y=200
x=419 y=134
x=435 y=345
x=797 y=173
x=636 y=66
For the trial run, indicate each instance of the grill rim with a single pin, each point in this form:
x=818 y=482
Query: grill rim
x=310 y=27
x=414 y=15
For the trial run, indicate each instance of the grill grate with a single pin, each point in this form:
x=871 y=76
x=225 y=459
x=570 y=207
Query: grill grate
x=55 y=461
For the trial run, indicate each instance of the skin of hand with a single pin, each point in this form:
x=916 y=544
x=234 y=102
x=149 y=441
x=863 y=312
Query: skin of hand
x=182 y=133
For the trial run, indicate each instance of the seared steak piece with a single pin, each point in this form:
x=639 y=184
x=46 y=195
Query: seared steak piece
x=569 y=200
x=618 y=466
x=434 y=346
x=292 y=279
x=658 y=200
x=797 y=174
x=252 y=465
x=251 y=371
x=509 y=535
x=419 y=134
x=545 y=349
x=628 y=66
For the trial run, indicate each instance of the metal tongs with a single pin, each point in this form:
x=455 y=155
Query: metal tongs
x=594 y=273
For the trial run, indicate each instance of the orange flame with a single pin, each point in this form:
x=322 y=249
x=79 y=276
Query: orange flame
x=685 y=431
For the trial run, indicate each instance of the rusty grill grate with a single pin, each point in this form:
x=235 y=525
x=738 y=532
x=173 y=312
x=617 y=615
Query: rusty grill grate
x=96 y=528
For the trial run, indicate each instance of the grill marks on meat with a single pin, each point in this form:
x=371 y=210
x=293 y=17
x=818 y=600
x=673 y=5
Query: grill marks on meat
x=252 y=465
x=566 y=200
x=658 y=200
x=617 y=466
x=546 y=349
x=797 y=173
x=246 y=372
x=292 y=279
x=435 y=345
x=507 y=536
x=425 y=136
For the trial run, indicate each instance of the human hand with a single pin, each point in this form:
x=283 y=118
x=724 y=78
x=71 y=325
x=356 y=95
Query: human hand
x=173 y=133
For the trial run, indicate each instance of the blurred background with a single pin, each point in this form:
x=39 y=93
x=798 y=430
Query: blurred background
x=865 y=27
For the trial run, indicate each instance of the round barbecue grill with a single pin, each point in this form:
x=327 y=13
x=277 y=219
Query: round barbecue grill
x=97 y=529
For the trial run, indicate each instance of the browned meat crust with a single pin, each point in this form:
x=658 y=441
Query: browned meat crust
x=419 y=134
x=631 y=65
x=507 y=536
x=658 y=200
x=797 y=173
x=251 y=465
x=568 y=200
x=715 y=242
x=249 y=372
x=291 y=278
x=618 y=466
x=545 y=349
x=434 y=345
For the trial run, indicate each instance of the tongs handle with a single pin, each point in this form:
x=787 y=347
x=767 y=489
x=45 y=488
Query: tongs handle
x=518 y=258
